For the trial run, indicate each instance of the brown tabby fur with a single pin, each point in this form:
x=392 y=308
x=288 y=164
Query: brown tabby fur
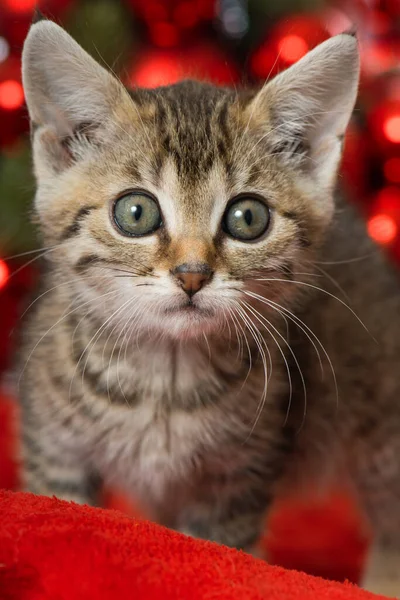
x=192 y=412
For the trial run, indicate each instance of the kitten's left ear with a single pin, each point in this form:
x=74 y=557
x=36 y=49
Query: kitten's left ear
x=65 y=90
x=309 y=105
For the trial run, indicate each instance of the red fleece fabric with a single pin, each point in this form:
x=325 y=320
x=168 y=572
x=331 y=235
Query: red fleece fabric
x=54 y=550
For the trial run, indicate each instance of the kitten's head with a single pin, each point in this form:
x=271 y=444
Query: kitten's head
x=175 y=202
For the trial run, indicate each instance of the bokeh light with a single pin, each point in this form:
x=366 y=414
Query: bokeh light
x=382 y=228
x=336 y=21
x=156 y=70
x=377 y=56
x=167 y=66
x=11 y=94
x=234 y=21
x=391 y=128
x=21 y=6
x=292 y=47
x=4 y=273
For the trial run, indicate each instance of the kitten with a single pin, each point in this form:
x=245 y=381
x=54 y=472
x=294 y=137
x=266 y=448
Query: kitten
x=193 y=342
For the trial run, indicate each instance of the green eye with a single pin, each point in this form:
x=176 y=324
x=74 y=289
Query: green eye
x=137 y=214
x=246 y=219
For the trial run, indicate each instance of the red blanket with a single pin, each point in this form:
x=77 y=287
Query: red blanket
x=53 y=550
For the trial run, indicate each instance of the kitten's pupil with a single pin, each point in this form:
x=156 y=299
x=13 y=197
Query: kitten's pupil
x=136 y=211
x=248 y=217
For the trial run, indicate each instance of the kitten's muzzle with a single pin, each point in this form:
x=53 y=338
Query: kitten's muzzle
x=192 y=276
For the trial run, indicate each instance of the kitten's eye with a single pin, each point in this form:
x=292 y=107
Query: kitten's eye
x=246 y=219
x=137 y=214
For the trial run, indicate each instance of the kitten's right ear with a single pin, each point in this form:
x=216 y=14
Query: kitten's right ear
x=65 y=88
x=306 y=109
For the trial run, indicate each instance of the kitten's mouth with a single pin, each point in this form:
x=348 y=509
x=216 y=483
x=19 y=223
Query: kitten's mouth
x=186 y=319
x=190 y=308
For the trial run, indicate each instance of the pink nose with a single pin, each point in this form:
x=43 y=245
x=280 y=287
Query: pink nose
x=192 y=277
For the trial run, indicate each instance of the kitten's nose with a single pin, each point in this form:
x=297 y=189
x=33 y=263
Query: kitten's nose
x=192 y=276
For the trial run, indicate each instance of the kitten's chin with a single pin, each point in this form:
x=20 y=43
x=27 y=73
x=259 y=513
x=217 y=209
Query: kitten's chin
x=188 y=322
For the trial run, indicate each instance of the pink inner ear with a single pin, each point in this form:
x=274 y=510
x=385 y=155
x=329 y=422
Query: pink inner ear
x=53 y=150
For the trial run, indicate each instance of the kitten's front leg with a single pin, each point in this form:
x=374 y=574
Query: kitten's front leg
x=238 y=523
x=66 y=481
x=48 y=471
x=382 y=572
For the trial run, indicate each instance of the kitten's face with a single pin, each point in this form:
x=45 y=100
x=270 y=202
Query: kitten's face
x=178 y=201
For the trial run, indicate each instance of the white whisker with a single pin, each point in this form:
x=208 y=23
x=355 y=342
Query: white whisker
x=259 y=343
x=262 y=321
x=65 y=316
x=324 y=292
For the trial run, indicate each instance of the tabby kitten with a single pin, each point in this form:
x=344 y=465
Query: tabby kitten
x=192 y=342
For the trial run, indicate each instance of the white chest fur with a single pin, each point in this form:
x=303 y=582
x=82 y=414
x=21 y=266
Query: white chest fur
x=159 y=442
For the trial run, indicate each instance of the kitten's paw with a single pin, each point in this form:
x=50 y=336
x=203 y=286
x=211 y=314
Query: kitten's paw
x=384 y=587
x=382 y=574
x=257 y=552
